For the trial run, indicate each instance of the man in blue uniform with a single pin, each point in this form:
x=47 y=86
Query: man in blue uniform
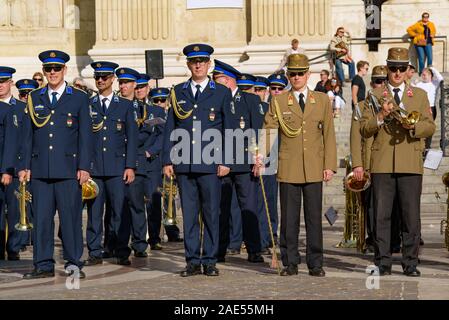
x=245 y=82
x=113 y=164
x=199 y=105
x=57 y=155
x=25 y=86
x=278 y=82
x=243 y=116
x=11 y=123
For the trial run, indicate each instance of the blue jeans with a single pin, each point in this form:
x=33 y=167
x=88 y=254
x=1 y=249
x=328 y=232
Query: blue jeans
x=423 y=52
x=340 y=71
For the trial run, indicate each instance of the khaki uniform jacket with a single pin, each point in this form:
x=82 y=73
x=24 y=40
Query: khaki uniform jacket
x=395 y=149
x=360 y=146
x=303 y=159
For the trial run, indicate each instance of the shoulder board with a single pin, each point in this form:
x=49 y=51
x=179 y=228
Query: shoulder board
x=13 y=101
x=95 y=99
x=135 y=104
x=212 y=84
x=115 y=98
x=69 y=90
x=43 y=90
x=186 y=84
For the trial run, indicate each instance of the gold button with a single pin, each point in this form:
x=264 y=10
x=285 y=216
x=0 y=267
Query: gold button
x=304 y=131
x=51 y=135
x=397 y=140
x=104 y=138
x=52 y=123
x=303 y=122
x=397 y=131
x=104 y=149
x=305 y=140
x=51 y=147
x=305 y=149
x=52 y=111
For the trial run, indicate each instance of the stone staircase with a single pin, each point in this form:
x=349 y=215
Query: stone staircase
x=333 y=191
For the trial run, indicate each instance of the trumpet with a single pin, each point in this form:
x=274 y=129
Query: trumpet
x=89 y=190
x=402 y=116
x=168 y=192
x=24 y=196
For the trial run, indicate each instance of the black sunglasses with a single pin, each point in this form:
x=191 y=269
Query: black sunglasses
x=276 y=88
x=294 y=74
x=395 y=69
x=50 y=68
x=379 y=81
x=259 y=89
x=198 y=60
x=159 y=100
x=102 y=77
x=37 y=79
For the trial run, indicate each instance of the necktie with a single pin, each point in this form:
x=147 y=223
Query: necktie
x=53 y=98
x=301 y=102
x=198 y=92
x=103 y=104
x=396 y=96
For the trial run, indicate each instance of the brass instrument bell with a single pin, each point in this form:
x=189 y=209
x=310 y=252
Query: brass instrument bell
x=90 y=190
x=357 y=186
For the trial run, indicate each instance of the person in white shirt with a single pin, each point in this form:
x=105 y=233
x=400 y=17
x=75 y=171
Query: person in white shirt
x=430 y=83
x=293 y=49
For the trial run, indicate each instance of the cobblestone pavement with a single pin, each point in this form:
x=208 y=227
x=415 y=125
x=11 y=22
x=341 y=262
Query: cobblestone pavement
x=157 y=277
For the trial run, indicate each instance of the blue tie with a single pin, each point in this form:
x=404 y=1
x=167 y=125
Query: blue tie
x=198 y=92
x=53 y=98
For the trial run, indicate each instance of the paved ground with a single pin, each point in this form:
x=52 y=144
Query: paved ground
x=156 y=277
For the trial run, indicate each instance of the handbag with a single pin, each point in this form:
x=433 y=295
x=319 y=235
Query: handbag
x=422 y=42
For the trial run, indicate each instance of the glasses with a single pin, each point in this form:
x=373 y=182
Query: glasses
x=379 y=81
x=198 y=60
x=104 y=77
x=395 y=69
x=260 y=89
x=38 y=79
x=50 y=68
x=276 y=88
x=159 y=100
x=294 y=74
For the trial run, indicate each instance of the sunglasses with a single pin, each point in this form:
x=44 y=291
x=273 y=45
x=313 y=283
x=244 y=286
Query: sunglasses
x=37 y=79
x=379 y=81
x=103 y=77
x=198 y=60
x=294 y=74
x=395 y=69
x=159 y=100
x=276 y=88
x=55 y=68
x=259 y=89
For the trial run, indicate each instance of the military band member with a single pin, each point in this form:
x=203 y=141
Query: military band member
x=243 y=111
x=11 y=122
x=113 y=164
x=307 y=157
x=201 y=104
x=159 y=99
x=396 y=162
x=361 y=147
x=57 y=156
x=278 y=82
x=245 y=82
x=25 y=86
x=261 y=88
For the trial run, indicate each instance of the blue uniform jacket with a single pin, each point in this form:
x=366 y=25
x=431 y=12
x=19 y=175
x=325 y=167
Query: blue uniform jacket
x=60 y=148
x=114 y=137
x=212 y=111
x=5 y=111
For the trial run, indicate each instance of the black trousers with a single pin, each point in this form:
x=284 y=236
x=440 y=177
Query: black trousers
x=407 y=188
x=290 y=197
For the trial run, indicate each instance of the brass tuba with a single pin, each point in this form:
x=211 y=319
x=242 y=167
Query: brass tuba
x=355 y=225
x=24 y=196
x=444 y=223
x=168 y=193
x=89 y=190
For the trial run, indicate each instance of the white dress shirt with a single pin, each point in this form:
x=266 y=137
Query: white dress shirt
x=305 y=93
x=59 y=91
x=107 y=102
x=203 y=85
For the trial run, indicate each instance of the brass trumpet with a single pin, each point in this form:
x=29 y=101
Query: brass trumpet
x=402 y=116
x=89 y=190
x=169 y=192
x=24 y=196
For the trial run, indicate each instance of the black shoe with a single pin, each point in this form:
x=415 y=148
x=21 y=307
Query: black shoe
x=123 y=261
x=91 y=261
x=107 y=255
x=23 y=249
x=156 y=246
x=383 y=271
x=178 y=239
x=255 y=258
x=221 y=259
x=13 y=256
x=412 y=271
x=421 y=242
x=291 y=270
x=265 y=251
x=38 y=274
x=233 y=252
x=191 y=270
x=210 y=270
x=142 y=254
x=80 y=274
x=317 y=272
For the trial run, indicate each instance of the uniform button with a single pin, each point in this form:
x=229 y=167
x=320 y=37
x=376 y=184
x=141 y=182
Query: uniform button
x=51 y=147
x=105 y=128
x=397 y=140
x=305 y=149
x=104 y=149
x=124 y=155
x=69 y=114
x=397 y=131
x=193 y=141
x=304 y=131
x=52 y=111
x=51 y=135
x=193 y=130
x=305 y=140
x=74 y=155
x=195 y=106
x=105 y=117
x=104 y=138
x=303 y=122
x=52 y=123
x=194 y=117
x=246 y=149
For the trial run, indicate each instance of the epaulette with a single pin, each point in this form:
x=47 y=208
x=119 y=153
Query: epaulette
x=43 y=90
x=212 y=84
x=116 y=99
x=186 y=84
x=69 y=90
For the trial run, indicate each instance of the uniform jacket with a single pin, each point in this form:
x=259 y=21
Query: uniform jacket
x=303 y=159
x=211 y=111
x=63 y=146
x=395 y=149
x=115 y=137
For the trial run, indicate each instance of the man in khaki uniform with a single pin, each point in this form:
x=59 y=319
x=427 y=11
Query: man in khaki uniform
x=307 y=157
x=396 y=162
x=361 y=147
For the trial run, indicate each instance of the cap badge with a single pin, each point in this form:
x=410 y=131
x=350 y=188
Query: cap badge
x=52 y=55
